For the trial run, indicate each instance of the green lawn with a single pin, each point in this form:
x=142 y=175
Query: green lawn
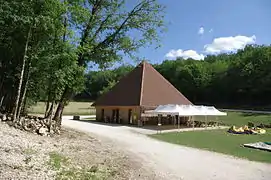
x=73 y=108
x=220 y=141
x=223 y=142
x=241 y=119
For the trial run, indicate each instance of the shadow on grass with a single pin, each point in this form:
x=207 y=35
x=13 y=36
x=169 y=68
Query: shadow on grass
x=147 y=127
x=89 y=108
x=253 y=114
x=98 y=122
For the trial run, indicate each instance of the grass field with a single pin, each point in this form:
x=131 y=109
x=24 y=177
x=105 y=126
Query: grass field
x=239 y=119
x=223 y=142
x=73 y=108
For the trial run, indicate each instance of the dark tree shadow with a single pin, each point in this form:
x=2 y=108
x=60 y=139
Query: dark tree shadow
x=253 y=114
x=98 y=122
x=147 y=127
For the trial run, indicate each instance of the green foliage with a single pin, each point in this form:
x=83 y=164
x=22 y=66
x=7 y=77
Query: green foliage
x=57 y=160
x=83 y=174
x=107 y=88
x=66 y=36
x=29 y=151
x=240 y=80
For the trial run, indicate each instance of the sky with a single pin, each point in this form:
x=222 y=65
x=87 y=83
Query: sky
x=196 y=28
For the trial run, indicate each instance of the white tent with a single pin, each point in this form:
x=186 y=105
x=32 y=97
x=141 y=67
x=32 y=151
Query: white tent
x=212 y=111
x=209 y=111
x=169 y=109
x=175 y=109
x=185 y=111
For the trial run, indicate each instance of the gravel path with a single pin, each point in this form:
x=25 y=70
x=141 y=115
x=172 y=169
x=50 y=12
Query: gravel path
x=171 y=161
x=72 y=155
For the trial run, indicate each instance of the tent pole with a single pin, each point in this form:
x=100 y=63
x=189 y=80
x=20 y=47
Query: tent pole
x=206 y=122
x=193 y=122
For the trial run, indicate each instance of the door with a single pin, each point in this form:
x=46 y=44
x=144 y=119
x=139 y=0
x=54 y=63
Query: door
x=102 y=114
x=130 y=118
x=113 y=117
x=118 y=116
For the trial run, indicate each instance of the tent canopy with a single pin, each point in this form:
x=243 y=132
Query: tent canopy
x=186 y=110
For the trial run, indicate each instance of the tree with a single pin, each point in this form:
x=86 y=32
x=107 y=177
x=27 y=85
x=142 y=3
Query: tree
x=226 y=80
x=105 y=27
x=32 y=34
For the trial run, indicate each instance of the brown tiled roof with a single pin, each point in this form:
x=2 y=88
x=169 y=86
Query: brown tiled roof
x=143 y=86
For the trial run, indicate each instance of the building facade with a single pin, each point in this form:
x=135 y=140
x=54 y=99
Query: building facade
x=142 y=89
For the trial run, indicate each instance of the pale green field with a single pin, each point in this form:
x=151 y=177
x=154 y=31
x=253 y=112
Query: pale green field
x=73 y=108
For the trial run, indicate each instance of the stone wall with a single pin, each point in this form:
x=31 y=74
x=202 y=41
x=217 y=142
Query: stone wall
x=33 y=124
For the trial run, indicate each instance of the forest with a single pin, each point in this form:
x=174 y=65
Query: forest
x=46 y=47
x=233 y=80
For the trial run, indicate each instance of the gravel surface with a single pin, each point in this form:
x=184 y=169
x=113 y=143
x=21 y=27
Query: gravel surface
x=28 y=156
x=169 y=161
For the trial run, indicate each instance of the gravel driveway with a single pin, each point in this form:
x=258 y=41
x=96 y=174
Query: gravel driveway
x=170 y=161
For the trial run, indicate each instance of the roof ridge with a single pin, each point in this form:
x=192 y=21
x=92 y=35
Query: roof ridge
x=147 y=86
x=142 y=82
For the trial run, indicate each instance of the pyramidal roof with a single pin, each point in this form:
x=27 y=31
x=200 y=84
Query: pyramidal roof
x=143 y=86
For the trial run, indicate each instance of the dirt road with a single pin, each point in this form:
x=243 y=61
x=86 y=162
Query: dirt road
x=171 y=161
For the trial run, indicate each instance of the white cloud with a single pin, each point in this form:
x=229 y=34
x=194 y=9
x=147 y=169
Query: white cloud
x=219 y=45
x=173 y=54
x=228 y=44
x=201 y=31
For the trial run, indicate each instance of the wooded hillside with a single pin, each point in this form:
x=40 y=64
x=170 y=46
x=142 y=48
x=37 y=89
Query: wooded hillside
x=241 y=79
x=46 y=46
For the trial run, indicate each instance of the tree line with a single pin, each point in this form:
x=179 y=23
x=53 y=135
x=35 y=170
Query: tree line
x=46 y=45
x=241 y=79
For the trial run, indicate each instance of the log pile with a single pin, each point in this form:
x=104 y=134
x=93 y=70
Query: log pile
x=33 y=124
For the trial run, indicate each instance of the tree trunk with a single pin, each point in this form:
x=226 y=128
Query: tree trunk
x=50 y=111
x=15 y=115
x=1 y=102
x=51 y=116
x=60 y=107
x=47 y=110
x=1 y=84
x=24 y=105
x=67 y=92
x=25 y=88
x=58 y=114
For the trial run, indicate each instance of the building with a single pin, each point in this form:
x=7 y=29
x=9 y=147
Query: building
x=142 y=89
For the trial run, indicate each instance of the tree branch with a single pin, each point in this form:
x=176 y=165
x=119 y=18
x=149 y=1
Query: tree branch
x=95 y=8
x=111 y=37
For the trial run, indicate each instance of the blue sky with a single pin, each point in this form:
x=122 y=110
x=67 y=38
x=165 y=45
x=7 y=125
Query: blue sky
x=237 y=22
x=196 y=28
